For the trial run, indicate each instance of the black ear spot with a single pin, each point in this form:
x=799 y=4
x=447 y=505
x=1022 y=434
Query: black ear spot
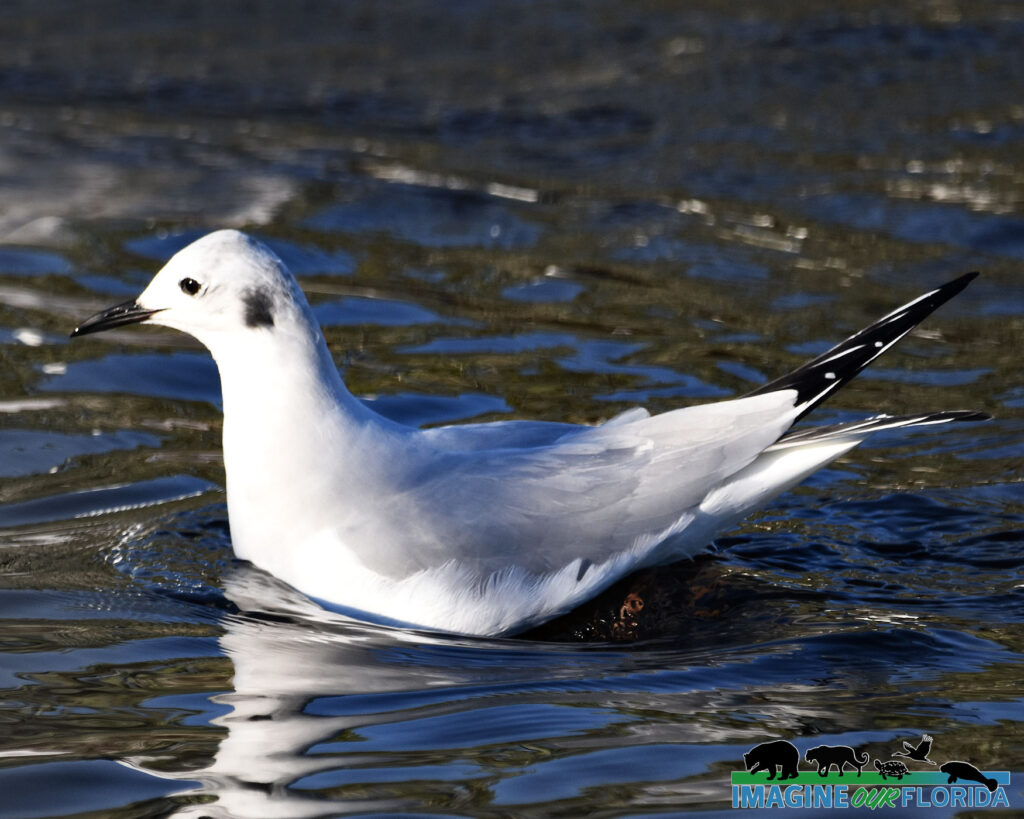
x=258 y=309
x=189 y=286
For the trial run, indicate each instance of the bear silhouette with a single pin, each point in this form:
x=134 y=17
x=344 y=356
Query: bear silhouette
x=771 y=755
x=964 y=770
x=839 y=755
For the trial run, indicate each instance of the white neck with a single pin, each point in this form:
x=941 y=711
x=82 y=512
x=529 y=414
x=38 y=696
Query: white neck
x=280 y=370
x=295 y=439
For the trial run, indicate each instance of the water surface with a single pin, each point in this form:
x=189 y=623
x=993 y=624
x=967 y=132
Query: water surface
x=518 y=210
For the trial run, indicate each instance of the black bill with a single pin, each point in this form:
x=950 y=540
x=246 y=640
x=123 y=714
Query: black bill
x=128 y=312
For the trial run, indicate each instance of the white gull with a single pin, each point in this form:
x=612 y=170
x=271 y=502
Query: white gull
x=476 y=528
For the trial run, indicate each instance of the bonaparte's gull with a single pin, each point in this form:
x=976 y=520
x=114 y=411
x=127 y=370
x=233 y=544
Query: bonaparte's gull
x=476 y=528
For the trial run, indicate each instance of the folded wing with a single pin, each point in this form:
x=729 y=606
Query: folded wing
x=596 y=493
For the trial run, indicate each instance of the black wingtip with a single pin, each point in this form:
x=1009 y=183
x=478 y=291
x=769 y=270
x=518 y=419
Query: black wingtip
x=819 y=378
x=965 y=279
x=950 y=289
x=968 y=415
x=808 y=435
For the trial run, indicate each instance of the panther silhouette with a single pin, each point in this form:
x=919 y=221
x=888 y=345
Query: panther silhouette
x=768 y=756
x=839 y=755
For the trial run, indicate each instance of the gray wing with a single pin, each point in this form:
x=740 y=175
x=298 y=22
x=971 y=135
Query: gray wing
x=515 y=434
x=590 y=495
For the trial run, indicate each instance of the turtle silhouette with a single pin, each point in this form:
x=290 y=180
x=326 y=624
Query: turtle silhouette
x=966 y=771
x=891 y=768
x=919 y=753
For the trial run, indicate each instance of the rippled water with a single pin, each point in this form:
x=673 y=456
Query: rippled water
x=508 y=210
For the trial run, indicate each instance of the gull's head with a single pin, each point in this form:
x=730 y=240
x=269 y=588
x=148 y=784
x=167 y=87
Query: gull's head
x=225 y=284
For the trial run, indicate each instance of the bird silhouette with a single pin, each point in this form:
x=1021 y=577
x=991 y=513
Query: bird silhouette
x=918 y=754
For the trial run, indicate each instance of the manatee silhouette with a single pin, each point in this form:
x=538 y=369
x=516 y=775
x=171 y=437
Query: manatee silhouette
x=966 y=771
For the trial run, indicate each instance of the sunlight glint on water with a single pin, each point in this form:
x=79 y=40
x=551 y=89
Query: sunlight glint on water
x=551 y=212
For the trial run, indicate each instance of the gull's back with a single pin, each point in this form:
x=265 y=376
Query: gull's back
x=490 y=540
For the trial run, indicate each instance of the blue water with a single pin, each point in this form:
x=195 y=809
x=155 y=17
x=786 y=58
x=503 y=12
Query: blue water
x=528 y=210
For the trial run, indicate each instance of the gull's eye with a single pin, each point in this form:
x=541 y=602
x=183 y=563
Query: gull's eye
x=190 y=286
